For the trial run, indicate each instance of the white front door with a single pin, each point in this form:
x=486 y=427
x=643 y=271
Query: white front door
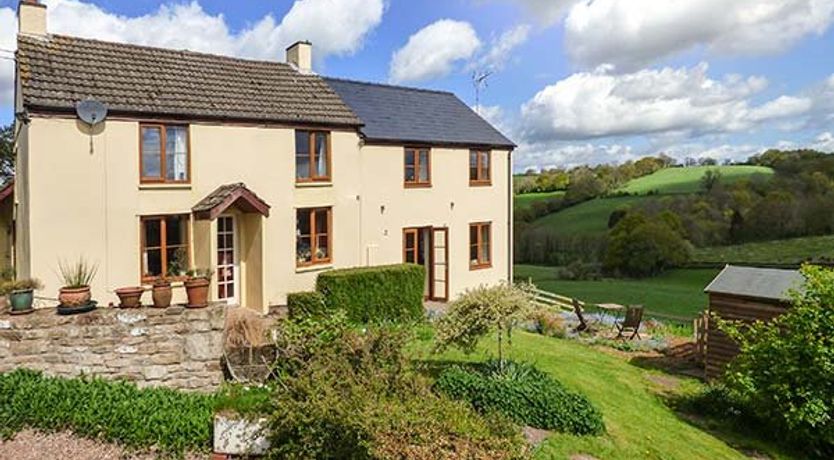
x=228 y=261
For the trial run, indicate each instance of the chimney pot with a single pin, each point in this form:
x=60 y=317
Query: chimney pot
x=300 y=56
x=31 y=18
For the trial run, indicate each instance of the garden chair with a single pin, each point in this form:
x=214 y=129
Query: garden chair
x=577 y=308
x=631 y=323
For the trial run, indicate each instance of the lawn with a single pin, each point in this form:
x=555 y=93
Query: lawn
x=792 y=251
x=688 y=180
x=676 y=292
x=590 y=217
x=638 y=421
x=526 y=200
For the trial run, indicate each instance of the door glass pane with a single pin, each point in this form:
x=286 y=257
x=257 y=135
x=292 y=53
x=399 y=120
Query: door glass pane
x=424 y=165
x=302 y=155
x=151 y=152
x=473 y=165
x=321 y=155
x=176 y=153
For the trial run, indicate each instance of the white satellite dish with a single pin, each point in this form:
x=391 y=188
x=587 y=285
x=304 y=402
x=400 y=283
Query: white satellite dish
x=91 y=111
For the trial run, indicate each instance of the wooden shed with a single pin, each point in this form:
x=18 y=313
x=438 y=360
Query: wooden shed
x=746 y=294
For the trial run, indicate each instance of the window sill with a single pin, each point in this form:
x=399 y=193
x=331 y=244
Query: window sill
x=313 y=184
x=480 y=184
x=416 y=185
x=314 y=268
x=479 y=267
x=163 y=186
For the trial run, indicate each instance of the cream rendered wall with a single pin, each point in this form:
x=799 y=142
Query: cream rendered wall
x=88 y=202
x=450 y=202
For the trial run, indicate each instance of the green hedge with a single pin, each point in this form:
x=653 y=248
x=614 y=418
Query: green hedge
x=525 y=394
x=375 y=294
x=116 y=411
x=303 y=304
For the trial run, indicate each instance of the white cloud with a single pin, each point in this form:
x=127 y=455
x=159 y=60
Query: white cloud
x=433 y=50
x=545 y=155
x=683 y=100
x=824 y=142
x=501 y=48
x=546 y=11
x=633 y=33
x=335 y=27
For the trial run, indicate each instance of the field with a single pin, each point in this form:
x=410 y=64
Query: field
x=793 y=251
x=526 y=200
x=688 y=180
x=586 y=218
x=639 y=423
x=676 y=292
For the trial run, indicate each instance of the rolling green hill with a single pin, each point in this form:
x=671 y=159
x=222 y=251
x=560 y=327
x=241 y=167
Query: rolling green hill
x=793 y=251
x=586 y=218
x=688 y=180
x=526 y=200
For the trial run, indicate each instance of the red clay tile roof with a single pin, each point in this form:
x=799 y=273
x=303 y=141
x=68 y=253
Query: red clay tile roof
x=58 y=71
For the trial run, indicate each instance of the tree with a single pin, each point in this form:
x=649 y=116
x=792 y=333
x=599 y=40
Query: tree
x=482 y=311
x=639 y=246
x=710 y=179
x=6 y=153
x=785 y=370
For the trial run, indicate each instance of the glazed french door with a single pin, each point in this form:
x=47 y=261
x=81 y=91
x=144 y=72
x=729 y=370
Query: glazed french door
x=228 y=271
x=439 y=264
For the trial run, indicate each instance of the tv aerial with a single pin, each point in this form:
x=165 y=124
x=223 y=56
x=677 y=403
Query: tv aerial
x=91 y=112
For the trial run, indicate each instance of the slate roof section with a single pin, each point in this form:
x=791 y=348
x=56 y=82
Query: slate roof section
x=396 y=114
x=223 y=197
x=761 y=283
x=58 y=71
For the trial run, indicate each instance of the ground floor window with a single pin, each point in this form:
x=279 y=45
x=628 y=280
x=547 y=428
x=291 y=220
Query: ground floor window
x=313 y=230
x=480 y=245
x=164 y=246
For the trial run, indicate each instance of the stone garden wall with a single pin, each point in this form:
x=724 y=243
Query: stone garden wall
x=175 y=347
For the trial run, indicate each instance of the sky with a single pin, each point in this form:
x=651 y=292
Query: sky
x=570 y=82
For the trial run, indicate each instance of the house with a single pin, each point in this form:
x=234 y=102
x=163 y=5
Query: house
x=262 y=171
x=744 y=294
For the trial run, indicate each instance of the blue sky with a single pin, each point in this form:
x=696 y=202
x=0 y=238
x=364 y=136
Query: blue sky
x=572 y=82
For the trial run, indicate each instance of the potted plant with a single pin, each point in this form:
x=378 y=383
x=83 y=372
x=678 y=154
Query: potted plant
x=130 y=297
x=77 y=278
x=23 y=295
x=161 y=292
x=197 y=287
x=6 y=285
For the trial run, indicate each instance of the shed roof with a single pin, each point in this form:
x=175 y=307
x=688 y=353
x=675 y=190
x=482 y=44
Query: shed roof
x=58 y=71
x=398 y=114
x=761 y=283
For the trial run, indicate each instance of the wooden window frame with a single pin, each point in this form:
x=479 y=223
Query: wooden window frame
x=311 y=142
x=162 y=153
x=314 y=240
x=415 y=251
x=479 y=180
x=163 y=246
x=480 y=264
x=417 y=183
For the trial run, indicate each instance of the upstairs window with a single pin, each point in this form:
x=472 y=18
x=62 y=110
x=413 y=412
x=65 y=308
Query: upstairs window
x=480 y=164
x=164 y=153
x=312 y=156
x=313 y=235
x=417 y=167
x=164 y=246
x=480 y=245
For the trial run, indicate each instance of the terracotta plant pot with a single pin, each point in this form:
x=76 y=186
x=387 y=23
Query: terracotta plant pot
x=162 y=294
x=197 y=290
x=130 y=297
x=74 y=297
x=21 y=301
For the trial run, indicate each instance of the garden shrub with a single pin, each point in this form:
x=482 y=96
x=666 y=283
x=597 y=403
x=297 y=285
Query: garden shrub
x=525 y=394
x=302 y=304
x=392 y=293
x=116 y=411
x=357 y=397
x=549 y=323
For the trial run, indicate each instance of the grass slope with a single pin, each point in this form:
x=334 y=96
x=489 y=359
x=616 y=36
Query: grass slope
x=639 y=424
x=792 y=251
x=676 y=292
x=590 y=217
x=688 y=180
x=526 y=200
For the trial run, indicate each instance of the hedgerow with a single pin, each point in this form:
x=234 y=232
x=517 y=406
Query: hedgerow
x=167 y=420
x=305 y=304
x=523 y=393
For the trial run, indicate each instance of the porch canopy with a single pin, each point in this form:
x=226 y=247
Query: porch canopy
x=227 y=196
